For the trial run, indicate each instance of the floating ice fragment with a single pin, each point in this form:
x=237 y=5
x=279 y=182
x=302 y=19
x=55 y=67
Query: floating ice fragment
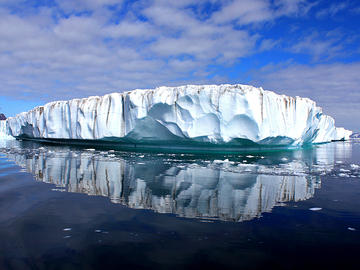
x=90 y=149
x=315 y=208
x=351 y=229
x=354 y=166
x=68 y=236
x=67 y=229
x=98 y=231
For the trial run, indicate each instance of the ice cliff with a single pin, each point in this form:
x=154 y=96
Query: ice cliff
x=188 y=116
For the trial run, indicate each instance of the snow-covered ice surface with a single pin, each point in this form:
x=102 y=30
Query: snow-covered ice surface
x=230 y=116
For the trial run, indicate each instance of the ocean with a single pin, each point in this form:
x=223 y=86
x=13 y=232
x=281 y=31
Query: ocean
x=67 y=207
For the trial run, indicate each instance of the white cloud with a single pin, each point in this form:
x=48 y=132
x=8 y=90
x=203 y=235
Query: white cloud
x=332 y=10
x=70 y=6
x=77 y=29
x=136 y=29
x=257 y=11
x=268 y=44
x=244 y=12
x=320 y=46
x=292 y=7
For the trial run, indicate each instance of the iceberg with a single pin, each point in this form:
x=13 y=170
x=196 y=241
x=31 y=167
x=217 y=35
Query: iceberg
x=206 y=117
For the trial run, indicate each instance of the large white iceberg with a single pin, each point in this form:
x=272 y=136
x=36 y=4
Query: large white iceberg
x=185 y=117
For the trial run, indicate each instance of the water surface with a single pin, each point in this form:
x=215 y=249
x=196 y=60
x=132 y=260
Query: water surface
x=76 y=208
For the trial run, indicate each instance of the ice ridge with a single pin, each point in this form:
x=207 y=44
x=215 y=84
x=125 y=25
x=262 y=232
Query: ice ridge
x=185 y=116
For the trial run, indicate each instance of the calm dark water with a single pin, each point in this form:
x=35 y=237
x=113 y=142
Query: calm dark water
x=73 y=208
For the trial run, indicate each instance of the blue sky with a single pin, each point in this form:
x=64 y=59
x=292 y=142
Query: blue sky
x=63 y=49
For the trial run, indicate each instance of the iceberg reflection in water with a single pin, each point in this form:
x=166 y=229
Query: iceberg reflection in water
x=232 y=188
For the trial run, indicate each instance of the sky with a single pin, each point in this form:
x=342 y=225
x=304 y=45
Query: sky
x=64 y=49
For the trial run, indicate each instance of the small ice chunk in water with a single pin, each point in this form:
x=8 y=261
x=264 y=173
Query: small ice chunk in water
x=315 y=208
x=218 y=161
x=351 y=229
x=67 y=229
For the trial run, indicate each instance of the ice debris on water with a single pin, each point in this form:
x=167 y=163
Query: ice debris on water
x=315 y=208
x=351 y=229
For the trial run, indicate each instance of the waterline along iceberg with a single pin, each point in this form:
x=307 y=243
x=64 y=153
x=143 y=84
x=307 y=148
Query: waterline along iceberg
x=186 y=117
